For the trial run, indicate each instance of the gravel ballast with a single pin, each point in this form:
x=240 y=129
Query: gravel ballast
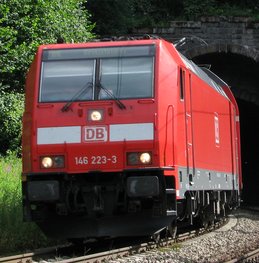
x=239 y=236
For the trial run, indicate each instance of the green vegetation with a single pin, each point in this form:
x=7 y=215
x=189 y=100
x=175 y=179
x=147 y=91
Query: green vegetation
x=24 y=25
x=122 y=17
x=11 y=109
x=175 y=247
x=16 y=236
x=193 y=9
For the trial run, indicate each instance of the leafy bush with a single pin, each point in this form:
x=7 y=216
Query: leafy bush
x=195 y=8
x=26 y=24
x=122 y=17
x=11 y=110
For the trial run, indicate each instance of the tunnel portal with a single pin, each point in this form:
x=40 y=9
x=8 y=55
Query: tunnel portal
x=242 y=74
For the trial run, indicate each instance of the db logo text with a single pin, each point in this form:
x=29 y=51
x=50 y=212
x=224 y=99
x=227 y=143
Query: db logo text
x=95 y=134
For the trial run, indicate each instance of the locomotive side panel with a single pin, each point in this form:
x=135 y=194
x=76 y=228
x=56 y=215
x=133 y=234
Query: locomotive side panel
x=28 y=129
x=209 y=143
x=211 y=118
x=167 y=94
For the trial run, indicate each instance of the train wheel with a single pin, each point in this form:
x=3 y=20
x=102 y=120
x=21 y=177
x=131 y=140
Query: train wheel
x=203 y=220
x=156 y=237
x=172 y=231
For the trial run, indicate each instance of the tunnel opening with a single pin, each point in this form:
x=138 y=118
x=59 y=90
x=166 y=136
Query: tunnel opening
x=242 y=74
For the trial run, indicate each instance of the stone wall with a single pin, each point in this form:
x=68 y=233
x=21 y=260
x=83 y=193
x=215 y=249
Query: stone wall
x=238 y=35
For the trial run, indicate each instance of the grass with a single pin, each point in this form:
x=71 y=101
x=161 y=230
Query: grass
x=175 y=247
x=15 y=235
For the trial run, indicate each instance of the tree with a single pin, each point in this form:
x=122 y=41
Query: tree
x=196 y=8
x=112 y=17
x=11 y=109
x=28 y=23
x=24 y=25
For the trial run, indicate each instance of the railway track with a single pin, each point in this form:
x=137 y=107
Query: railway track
x=129 y=252
x=28 y=257
x=251 y=257
x=96 y=257
x=55 y=254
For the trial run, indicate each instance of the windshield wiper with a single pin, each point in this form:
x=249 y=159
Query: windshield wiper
x=87 y=86
x=110 y=94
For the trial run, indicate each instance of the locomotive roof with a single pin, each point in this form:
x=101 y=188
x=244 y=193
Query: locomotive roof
x=205 y=74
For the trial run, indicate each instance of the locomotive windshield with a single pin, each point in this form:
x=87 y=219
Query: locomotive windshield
x=126 y=72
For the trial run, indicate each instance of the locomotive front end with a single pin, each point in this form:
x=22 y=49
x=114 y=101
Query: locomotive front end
x=90 y=152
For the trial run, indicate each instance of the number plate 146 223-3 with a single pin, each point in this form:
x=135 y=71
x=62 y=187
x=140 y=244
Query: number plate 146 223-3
x=95 y=160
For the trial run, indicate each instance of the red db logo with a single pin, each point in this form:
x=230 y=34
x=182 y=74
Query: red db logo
x=95 y=133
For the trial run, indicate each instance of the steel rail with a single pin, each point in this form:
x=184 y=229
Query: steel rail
x=252 y=256
x=27 y=257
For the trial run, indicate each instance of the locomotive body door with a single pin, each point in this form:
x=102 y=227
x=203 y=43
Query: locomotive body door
x=188 y=124
x=234 y=146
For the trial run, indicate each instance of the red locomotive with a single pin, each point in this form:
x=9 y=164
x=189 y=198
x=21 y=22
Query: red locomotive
x=126 y=138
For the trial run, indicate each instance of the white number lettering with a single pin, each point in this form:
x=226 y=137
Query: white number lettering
x=81 y=160
x=114 y=159
x=98 y=159
x=104 y=160
x=93 y=160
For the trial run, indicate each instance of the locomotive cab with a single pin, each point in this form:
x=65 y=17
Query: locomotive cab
x=91 y=159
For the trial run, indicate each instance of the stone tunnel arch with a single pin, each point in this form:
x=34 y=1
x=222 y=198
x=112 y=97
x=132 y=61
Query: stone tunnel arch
x=239 y=67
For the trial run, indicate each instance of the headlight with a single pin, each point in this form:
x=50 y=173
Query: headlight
x=52 y=162
x=145 y=158
x=46 y=162
x=139 y=158
x=95 y=115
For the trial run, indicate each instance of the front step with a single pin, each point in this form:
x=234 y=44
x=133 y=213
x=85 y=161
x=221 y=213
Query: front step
x=171 y=213
x=171 y=191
